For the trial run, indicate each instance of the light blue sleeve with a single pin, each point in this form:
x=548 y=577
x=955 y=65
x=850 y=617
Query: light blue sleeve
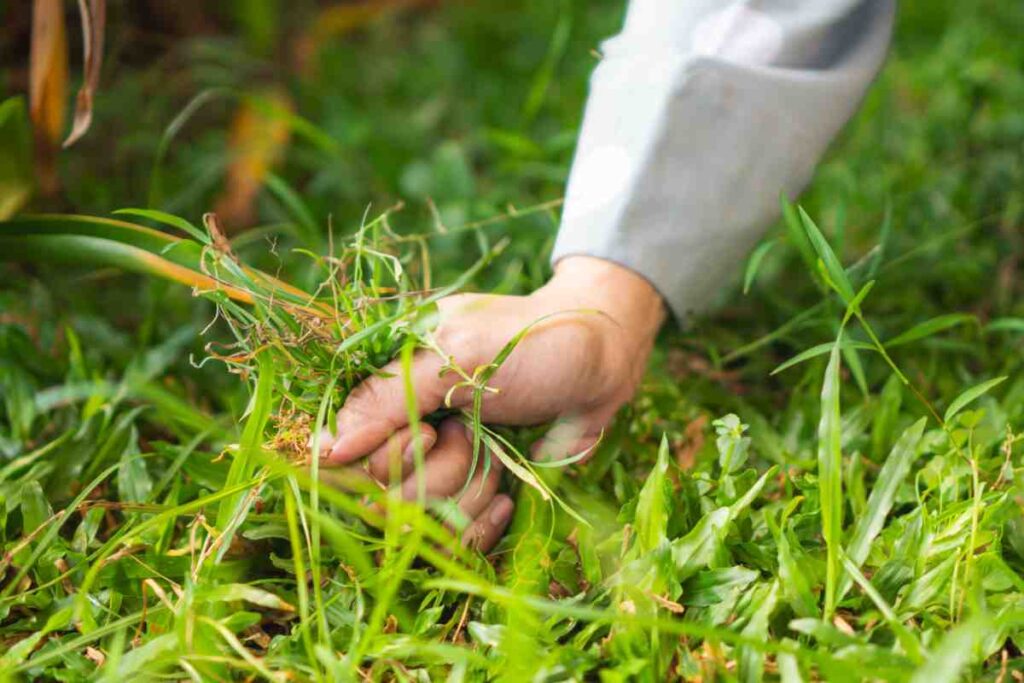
x=700 y=114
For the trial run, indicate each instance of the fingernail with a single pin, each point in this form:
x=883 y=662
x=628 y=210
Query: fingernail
x=338 y=449
x=409 y=454
x=325 y=442
x=500 y=512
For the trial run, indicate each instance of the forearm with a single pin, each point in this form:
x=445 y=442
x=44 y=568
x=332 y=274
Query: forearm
x=700 y=115
x=627 y=297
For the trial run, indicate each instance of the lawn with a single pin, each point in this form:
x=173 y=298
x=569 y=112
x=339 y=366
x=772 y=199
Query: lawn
x=821 y=479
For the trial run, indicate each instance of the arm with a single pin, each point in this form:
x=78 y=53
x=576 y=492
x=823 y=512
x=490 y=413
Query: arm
x=698 y=117
x=700 y=114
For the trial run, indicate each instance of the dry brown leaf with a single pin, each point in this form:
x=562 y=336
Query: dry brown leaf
x=220 y=240
x=843 y=625
x=670 y=605
x=258 y=637
x=48 y=86
x=686 y=454
x=259 y=136
x=94 y=20
x=95 y=656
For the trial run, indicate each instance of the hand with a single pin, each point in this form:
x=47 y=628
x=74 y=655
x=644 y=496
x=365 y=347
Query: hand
x=483 y=513
x=576 y=367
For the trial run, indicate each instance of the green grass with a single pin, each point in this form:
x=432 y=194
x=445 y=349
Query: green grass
x=821 y=480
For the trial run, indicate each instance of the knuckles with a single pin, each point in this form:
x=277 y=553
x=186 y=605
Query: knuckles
x=363 y=403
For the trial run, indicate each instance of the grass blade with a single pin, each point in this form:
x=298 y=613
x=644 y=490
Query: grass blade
x=833 y=266
x=1005 y=325
x=930 y=327
x=754 y=263
x=975 y=392
x=167 y=219
x=796 y=233
x=955 y=651
x=820 y=350
x=249 y=446
x=911 y=645
x=883 y=495
x=830 y=481
x=652 y=506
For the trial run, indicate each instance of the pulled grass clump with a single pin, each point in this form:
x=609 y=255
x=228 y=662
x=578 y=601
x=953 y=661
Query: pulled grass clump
x=364 y=308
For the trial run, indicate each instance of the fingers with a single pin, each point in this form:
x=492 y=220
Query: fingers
x=448 y=462
x=482 y=488
x=446 y=466
x=446 y=470
x=353 y=479
x=394 y=460
x=378 y=407
x=325 y=444
x=488 y=527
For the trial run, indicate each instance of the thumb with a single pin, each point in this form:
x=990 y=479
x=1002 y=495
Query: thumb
x=379 y=406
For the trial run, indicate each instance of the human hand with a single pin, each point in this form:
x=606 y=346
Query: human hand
x=482 y=512
x=576 y=367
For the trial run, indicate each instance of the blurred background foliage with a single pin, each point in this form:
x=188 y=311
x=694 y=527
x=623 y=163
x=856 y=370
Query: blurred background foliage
x=289 y=117
x=292 y=117
x=470 y=107
x=462 y=110
x=286 y=118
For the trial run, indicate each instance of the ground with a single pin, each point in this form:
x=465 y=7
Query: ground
x=857 y=515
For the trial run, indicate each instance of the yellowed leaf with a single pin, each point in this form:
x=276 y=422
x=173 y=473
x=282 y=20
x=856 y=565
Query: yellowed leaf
x=259 y=136
x=48 y=86
x=670 y=605
x=95 y=656
x=94 y=20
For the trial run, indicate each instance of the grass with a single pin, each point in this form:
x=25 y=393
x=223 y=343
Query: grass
x=821 y=480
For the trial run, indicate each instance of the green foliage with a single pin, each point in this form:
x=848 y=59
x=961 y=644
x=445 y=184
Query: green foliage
x=16 y=181
x=831 y=525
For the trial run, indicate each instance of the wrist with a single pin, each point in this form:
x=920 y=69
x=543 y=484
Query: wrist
x=629 y=299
